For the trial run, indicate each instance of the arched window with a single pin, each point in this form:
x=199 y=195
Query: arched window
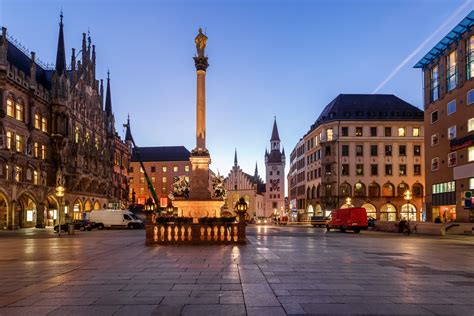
x=345 y=189
x=408 y=211
x=37 y=121
x=10 y=107
x=44 y=124
x=417 y=190
x=359 y=189
x=402 y=188
x=308 y=194
x=19 y=111
x=388 y=212
x=313 y=192
x=370 y=209
x=388 y=190
x=374 y=190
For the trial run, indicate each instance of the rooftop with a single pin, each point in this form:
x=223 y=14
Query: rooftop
x=162 y=153
x=446 y=41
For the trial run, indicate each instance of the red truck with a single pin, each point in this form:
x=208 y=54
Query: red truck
x=354 y=218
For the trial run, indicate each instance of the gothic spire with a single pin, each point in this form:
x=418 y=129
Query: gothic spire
x=61 y=53
x=256 y=169
x=275 y=136
x=108 y=99
x=235 y=158
x=128 y=134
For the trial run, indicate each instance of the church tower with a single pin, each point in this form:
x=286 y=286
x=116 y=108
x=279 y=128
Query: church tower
x=275 y=175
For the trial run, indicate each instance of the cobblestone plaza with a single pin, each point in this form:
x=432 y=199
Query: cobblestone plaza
x=281 y=270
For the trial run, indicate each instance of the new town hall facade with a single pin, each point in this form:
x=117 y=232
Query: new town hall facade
x=56 y=120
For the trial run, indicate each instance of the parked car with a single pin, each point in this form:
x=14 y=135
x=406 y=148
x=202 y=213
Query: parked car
x=81 y=225
x=319 y=221
x=108 y=218
x=354 y=218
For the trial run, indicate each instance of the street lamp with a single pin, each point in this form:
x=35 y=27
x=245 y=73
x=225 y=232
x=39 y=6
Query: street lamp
x=59 y=193
x=241 y=209
x=407 y=196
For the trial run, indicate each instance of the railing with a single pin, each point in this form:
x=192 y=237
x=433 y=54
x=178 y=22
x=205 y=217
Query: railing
x=186 y=233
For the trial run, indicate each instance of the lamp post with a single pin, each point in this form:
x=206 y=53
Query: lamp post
x=407 y=196
x=349 y=202
x=59 y=193
x=241 y=209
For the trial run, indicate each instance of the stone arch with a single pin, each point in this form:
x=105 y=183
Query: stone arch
x=359 y=189
x=308 y=193
x=388 y=190
x=417 y=190
x=87 y=206
x=96 y=205
x=77 y=209
x=345 y=189
x=318 y=191
x=51 y=210
x=388 y=212
x=402 y=188
x=408 y=211
x=27 y=209
x=4 y=210
x=374 y=189
x=310 y=211
x=370 y=209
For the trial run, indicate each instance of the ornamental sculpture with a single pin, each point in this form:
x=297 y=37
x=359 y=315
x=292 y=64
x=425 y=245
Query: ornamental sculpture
x=200 y=41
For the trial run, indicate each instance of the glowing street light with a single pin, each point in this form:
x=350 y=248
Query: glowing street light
x=407 y=197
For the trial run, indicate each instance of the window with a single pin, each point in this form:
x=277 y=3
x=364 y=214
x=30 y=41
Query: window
x=18 y=175
x=36 y=150
x=131 y=169
x=10 y=108
x=153 y=169
x=434 y=139
x=19 y=143
x=164 y=179
x=416 y=132
x=388 y=170
x=43 y=152
x=76 y=135
x=19 y=114
x=358 y=131
x=452 y=132
x=153 y=179
x=175 y=169
x=142 y=180
x=35 y=177
x=452 y=159
x=470 y=155
x=328 y=150
x=141 y=170
x=402 y=150
x=373 y=131
x=416 y=170
x=388 y=131
x=271 y=173
x=345 y=131
x=37 y=121
x=388 y=150
x=435 y=164
x=416 y=150
x=374 y=170
x=470 y=97
x=328 y=169
x=345 y=170
x=470 y=125
x=471 y=184
x=345 y=150
x=44 y=124
x=374 y=150
x=164 y=169
x=451 y=108
x=360 y=169
x=434 y=83
x=403 y=170
x=451 y=71
x=469 y=58
x=359 y=150
x=434 y=117
x=444 y=187
x=186 y=168
x=9 y=140
x=401 y=132
x=329 y=134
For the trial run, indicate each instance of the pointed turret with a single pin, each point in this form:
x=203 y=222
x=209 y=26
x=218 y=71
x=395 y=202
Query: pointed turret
x=235 y=158
x=128 y=134
x=61 y=53
x=108 y=99
x=256 y=169
x=275 y=135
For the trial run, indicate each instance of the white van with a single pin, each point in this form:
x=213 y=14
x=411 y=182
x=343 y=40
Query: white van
x=114 y=218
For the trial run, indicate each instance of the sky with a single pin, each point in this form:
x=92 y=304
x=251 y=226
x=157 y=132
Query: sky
x=283 y=58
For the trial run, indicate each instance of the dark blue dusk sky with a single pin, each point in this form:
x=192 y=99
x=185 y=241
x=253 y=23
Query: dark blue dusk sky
x=267 y=58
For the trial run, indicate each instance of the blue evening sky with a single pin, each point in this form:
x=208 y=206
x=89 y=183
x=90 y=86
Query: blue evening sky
x=267 y=58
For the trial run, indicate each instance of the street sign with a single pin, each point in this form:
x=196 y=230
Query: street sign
x=468 y=203
x=467 y=195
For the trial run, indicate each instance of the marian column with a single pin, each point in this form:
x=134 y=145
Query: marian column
x=200 y=158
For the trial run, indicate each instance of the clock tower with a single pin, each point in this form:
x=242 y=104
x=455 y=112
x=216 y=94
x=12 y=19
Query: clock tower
x=275 y=175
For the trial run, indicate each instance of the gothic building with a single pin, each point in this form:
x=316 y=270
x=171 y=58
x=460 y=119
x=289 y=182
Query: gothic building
x=53 y=122
x=275 y=175
x=251 y=187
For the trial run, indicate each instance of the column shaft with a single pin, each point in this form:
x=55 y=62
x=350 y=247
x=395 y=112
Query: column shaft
x=201 y=110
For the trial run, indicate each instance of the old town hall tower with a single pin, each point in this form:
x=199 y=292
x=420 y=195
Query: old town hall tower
x=275 y=175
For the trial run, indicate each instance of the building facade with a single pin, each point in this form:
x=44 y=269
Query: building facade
x=250 y=187
x=297 y=181
x=275 y=175
x=52 y=122
x=162 y=164
x=366 y=151
x=448 y=71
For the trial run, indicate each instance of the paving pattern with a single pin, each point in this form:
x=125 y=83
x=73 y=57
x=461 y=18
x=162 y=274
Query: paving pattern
x=282 y=270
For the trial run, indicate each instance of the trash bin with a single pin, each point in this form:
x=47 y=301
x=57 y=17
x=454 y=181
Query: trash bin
x=70 y=229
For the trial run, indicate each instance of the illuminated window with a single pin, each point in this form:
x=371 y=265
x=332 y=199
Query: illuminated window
x=142 y=180
x=153 y=179
x=97 y=147
x=452 y=132
x=186 y=168
x=451 y=71
x=163 y=179
x=470 y=153
x=470 y=125
x=43 y=152
x=401 y=132
x=142 y=190
x=416 y=131
x=187 y=179
x=7 y=172
x=141 y=170
x=37 y=121
x=10 y=108
x=19 y=143
x=451 y=107
x=76 y=134
x=164 y=169
x=330 y=134
x=36 y=150
x=88 y=137
x=19 y=114
x=44 y=124
x=9 y=140
x=18 y=175
x=35 y=177
x=175 y=169
x=471 y=184
x=358 y=131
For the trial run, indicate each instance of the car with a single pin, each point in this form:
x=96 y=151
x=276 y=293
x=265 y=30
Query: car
x=262 y=221
x=81 y=225
x=352 y=218
x=319 y=221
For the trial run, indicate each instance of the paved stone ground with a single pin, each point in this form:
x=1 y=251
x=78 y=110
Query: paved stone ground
x=282 y=270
